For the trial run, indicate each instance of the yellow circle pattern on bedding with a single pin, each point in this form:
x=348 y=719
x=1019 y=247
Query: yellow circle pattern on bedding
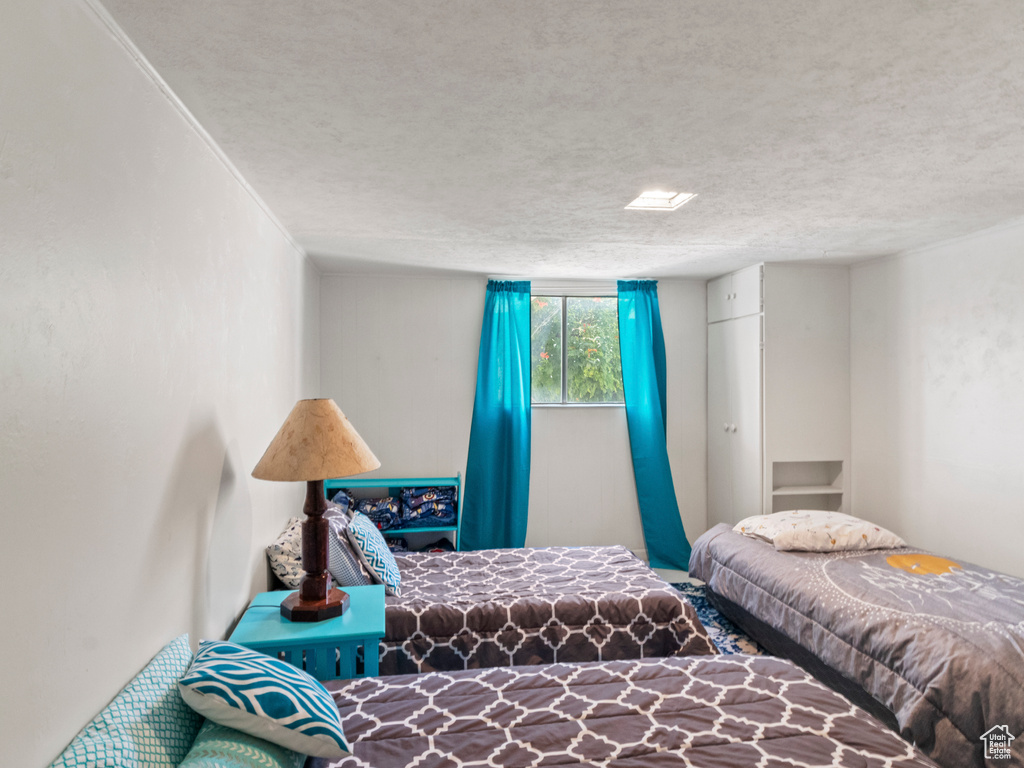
x=920 y=564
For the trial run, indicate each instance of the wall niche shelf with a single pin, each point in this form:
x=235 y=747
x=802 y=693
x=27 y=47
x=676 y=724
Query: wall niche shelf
x=807 y=485
x=804 y=490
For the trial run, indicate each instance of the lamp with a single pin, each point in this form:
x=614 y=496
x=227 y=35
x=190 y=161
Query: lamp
x=316 y=442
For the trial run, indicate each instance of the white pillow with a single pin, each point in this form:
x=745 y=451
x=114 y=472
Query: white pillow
x=285 y=554
x=814 y=530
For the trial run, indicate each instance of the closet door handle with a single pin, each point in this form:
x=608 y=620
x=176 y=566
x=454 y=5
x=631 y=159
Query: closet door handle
x=725 y=427
x=732 y=428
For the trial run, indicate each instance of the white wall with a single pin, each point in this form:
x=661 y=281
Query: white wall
x=399 y=355
x=157 y=326
x=938 y=396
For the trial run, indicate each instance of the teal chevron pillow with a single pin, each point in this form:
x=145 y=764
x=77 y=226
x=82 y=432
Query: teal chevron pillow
x=218 y=746
x=147 y=723
x=374 y=552
x=263 y=697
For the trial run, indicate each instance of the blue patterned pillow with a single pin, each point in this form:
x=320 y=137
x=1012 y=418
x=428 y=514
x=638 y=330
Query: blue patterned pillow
x=218 y=746
x=147 y=723
x=374 y=552
x=263 y=697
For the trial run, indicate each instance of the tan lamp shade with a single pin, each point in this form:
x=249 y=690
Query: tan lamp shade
x=316 y=442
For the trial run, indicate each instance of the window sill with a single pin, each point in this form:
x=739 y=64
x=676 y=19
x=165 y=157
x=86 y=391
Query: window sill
x=577 y=405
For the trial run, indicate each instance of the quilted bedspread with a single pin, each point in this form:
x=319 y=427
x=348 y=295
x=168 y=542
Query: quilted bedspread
x=508 y=607
x=693 y=712
x=939 y=642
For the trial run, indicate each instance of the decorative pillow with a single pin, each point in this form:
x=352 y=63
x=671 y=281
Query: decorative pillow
x=263 y=697
x=147 y=724
x=343 y=563
x=218 y=746
x=285 y=554
x=812 y=530
x=374 y=553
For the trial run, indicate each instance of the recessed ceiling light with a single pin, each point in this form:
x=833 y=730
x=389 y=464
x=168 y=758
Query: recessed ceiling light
x=660 y=201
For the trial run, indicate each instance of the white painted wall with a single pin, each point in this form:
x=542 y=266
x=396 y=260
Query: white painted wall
x=399 y=355
x=157 y=326
x=938 y=396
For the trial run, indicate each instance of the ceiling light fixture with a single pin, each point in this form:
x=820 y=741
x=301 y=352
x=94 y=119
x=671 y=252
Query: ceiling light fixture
x=660 y=201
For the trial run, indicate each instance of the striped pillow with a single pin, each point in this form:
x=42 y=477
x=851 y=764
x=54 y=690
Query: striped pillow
x=263 y=697
x=374 y=553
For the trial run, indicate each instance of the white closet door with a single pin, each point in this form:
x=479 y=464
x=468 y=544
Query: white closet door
x=744 y=342
x=746 y=292
x=720 y=299
x=719 y=412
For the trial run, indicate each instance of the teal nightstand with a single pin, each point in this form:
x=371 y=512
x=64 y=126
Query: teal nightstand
x=325 y=649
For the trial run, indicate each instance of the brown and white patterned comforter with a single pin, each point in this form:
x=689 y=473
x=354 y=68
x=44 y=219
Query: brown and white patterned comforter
x=693 y=712
x=938 y=642
x=508 y=607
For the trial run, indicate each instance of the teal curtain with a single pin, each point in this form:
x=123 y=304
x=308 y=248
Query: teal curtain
x=642 y=347
x=497 y=491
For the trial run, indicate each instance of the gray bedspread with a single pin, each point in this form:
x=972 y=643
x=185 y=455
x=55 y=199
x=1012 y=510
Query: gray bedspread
x=507 y=607
x=683 y=712
x=939 y=642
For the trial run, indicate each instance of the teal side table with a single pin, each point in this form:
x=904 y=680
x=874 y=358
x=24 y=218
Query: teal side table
x=325 y=649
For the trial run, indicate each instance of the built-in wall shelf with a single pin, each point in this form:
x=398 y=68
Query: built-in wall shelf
x=807 y=485
x=804 y=490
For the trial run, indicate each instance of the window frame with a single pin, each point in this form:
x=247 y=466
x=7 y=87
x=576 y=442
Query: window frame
x=563 y=295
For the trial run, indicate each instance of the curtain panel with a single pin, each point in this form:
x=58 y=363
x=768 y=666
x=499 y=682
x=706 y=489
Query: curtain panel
x=498 y=467
x=642 y=348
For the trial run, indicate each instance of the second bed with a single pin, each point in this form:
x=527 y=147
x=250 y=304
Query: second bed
x=511 y=607
x=930 y=645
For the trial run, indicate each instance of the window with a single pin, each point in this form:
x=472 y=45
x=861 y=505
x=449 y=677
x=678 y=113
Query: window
x=585 y=368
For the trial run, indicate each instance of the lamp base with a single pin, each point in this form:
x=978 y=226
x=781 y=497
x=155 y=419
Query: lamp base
x=294 y=608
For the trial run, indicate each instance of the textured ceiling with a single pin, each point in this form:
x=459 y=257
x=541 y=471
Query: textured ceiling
x=506 y=137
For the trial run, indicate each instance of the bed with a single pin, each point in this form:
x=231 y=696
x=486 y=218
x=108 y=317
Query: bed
x=698 y=712
x=681 y=712
x=510 y=607
x=932 y=646
x=501 y=607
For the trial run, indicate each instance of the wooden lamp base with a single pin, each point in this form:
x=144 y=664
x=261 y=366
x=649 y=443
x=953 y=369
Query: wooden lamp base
x=316 y=599
x=294 y=608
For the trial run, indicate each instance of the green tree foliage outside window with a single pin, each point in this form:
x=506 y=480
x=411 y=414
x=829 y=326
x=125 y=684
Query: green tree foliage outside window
x=546 y=348
x=593 y=369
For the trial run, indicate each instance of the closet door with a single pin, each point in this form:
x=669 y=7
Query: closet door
x=745 y=423
x=719 y=410
x=720 y=299
x=746 y=292
x=734 y=420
